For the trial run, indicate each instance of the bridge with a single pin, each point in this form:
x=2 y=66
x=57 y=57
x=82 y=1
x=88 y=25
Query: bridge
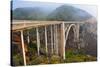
x=59 y=32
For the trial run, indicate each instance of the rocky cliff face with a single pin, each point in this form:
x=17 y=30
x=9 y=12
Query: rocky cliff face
x=88 y=36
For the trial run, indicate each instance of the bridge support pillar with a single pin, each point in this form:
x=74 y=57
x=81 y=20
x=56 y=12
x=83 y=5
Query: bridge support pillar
x=56 y=39
x=38 y=41
x=62 y=46
x=78 y=36
x=51 y=40
x=23 y=48
x=46 y=39
x=28 y=38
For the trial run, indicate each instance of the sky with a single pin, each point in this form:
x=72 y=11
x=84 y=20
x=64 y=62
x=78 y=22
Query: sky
x=91 y=9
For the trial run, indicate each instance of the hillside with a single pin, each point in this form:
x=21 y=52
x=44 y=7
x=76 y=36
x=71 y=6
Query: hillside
x=28 y=13
x=63 y=12
x=69 y=13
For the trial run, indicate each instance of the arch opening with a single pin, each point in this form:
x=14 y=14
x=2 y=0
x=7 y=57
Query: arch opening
x=70 y=35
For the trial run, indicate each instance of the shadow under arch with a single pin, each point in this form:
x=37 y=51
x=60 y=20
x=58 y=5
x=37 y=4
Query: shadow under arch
x=68 y=30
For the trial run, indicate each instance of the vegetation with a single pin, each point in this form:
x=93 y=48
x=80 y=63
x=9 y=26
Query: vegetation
x=17 y=60
x=80 y=56
x=72 y=55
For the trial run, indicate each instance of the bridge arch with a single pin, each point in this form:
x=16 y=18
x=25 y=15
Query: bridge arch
x=72 y=27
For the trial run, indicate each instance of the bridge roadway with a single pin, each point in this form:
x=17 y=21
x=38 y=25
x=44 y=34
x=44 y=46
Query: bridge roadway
x=25 y=24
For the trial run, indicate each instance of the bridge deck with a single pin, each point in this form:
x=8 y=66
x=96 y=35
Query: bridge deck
x=20 y=25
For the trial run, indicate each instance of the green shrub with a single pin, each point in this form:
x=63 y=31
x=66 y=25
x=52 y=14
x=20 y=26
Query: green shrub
x=90 y=58
x=55 y=59
x=79 y=56
x=39 y=60
x=17 y=60
x=32 y=49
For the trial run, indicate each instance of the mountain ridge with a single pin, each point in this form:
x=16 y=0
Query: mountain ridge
x=64 y=12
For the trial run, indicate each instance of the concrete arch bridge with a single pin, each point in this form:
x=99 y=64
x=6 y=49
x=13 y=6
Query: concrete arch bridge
x=58 y=34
